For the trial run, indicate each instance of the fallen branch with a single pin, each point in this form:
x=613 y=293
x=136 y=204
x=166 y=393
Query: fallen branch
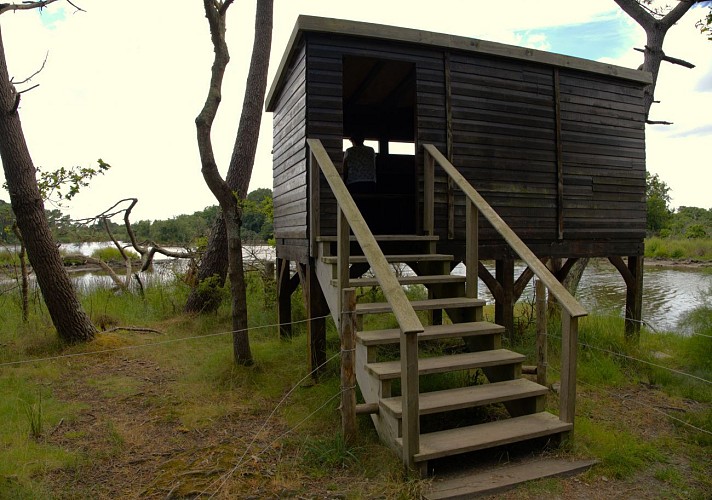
x=133 y=329
x=106 y=267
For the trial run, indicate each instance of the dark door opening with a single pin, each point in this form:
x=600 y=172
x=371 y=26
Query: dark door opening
x=379 y=103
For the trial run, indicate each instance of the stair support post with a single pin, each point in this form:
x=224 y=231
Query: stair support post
x=348 y=358
x=429 y=195
x=471 y=249
x=410 y=390
x=343 y=254
x=541 y=333
x=569 y=351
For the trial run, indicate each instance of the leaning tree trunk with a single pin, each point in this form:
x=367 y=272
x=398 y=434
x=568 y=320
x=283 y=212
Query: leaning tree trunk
x=214 y=261
x=655 y=31
x=68 y=317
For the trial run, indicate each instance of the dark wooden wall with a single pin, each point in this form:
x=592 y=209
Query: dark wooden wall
x=559 y=153
x=325 y=55
x=289 y=157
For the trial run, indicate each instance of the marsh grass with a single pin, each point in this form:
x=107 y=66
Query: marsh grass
x=204 y=387
x=668 y=248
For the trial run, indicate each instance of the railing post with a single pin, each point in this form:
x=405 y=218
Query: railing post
x=314 y=207
x=541 y=333
x=471 y=249
x=343 y=253
x=348 y=355
x=569 y=351
x=429 y=195
x=410 y=390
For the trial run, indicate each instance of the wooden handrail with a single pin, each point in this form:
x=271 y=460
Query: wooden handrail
x=403 y=311
x=567 y=301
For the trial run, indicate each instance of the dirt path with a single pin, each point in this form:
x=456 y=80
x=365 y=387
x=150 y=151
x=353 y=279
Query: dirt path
x=134 y=443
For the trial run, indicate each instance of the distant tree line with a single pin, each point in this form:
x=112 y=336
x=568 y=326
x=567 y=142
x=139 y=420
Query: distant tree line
x=183 y=230
x=685 y=222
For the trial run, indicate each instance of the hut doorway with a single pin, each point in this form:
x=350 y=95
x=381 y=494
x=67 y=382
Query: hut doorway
x=379 y=103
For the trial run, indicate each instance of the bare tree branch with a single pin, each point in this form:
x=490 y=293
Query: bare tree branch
x=670 y=59
x=103 y=265
x=24 y=5
x=33 y=74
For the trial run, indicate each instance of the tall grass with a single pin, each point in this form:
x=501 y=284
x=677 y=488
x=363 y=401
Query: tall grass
x=666 y=248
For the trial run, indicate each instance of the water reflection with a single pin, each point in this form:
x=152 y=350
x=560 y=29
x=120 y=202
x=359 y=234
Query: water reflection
x=668 y=293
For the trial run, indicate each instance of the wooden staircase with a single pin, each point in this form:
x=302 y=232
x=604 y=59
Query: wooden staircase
x=451 y=414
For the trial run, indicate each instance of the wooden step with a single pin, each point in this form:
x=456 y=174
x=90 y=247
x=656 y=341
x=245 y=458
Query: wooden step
x=478 y=437
x=468 y=397
x=384 y=237
x=386 y=370
x=421 y=305
x=421 y=257
x=437 y=279
x=499 y=479
x=432 y=332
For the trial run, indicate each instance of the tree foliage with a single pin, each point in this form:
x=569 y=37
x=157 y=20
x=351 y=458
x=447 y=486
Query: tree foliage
x=685 y=222
x=657 y=194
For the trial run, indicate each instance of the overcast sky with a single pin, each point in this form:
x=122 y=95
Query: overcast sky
x=125 y=80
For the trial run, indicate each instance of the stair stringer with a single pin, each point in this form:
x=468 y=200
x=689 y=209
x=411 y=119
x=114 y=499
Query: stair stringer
x=324 y=274
x=373 y=391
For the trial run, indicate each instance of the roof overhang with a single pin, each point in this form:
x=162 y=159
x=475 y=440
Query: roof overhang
x=314 y=24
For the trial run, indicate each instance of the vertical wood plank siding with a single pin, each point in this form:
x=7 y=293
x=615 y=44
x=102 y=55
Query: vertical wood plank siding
x=289 y=163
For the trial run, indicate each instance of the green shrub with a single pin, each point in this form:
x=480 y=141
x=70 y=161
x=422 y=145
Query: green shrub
x=110 y=254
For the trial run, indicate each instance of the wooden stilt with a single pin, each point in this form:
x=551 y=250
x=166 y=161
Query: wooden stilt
x=284 y=298
x=634 y=299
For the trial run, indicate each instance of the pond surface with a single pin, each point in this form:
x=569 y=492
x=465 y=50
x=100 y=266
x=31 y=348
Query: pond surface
x=668 y=293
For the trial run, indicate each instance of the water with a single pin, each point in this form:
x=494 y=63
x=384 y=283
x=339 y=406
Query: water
x=668 y=293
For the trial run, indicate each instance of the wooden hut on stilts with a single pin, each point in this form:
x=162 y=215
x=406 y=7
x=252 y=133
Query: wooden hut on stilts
x=485 y=151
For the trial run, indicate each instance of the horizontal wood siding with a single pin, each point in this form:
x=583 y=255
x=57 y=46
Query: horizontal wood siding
x=324 y=89
x=289 y=163
x=504 y=140
x=504 y=134
x=603 y=142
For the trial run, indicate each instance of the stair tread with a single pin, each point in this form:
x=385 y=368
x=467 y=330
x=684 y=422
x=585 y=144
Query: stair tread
x=410 y=280
x=421 y=305
x=392 y=369
x=468 y=397
x=432 y=332
x=419 y=257
x=488 y=435
x=385 y=237
x=497 y=479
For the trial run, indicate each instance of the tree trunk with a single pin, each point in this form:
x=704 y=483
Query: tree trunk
x=68 y=317
x=655 y=31
x=214 y=262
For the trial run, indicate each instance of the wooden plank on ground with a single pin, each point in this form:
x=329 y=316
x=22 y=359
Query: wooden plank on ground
x=501 y=479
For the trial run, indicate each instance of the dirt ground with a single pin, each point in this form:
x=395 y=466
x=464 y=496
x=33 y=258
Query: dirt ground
x=136 y=448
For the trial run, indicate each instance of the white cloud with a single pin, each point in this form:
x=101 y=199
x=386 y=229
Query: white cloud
x=125 y=84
